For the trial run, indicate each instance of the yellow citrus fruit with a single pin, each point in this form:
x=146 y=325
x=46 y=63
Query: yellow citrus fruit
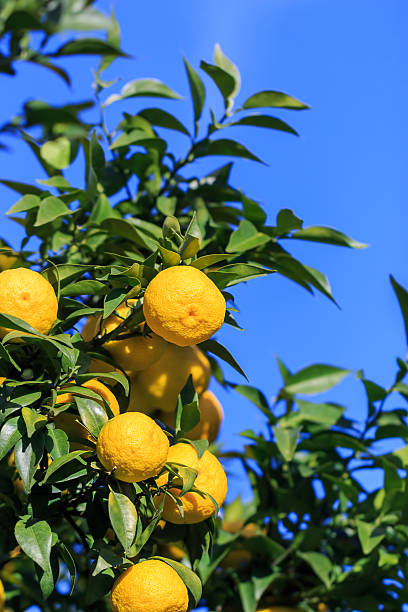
x=97 y=366
x=2 y=379
x=7 y=259
x=3 y=597
x=211 y=418
x=149 y=586
x=131 y=354
x=278 y=609
x=183 y=306
x=162 y=382
x=322 y=607
x=68 y=422
x=133 y=444
x=138 y=401
x=172 y=551
x=239 y=556
x=29 y=296
x=211 y=479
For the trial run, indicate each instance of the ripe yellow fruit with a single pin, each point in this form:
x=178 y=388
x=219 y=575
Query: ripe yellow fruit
x=29 y=296
x=162 y=382
x=278 y=609
x=172 y=551
x=133 y=444
x=2 y=379
x=3 y=597
x=138 y=401
x=212 y=416
x=68 y=422
x=149 y=586
x=183 y=306
x=211 y=479
x=131 y=354
x=7 y=258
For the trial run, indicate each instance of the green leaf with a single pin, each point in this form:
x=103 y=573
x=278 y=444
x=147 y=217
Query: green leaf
x=56 y=473
x=286 y=221
x=161 y=118
x=286 y=441
x=224 y=146
x=325 y=414
x=85 y=287
x=113 y=376
x=33 y=420
x=166 y=206
x=70 y=563
x=22 y=188
x=28 y=453
x=190 y=579
x=315 y=379
x=197 y=91
x=402 y=296
x=57 y=152
x=50 y=209
x=275 y=99
x=228 y=66
x=27 y=202
x=327 y=235
x=208 y=260
x=97 y=156
x=57 y=443
x=246 y=592
x=320 y=564
x=253 y=395
x=35 y=539
x=223 y=80
x=150 y=88
x=232 y=274
x=253 y=211
x=88 y=46
x=93 y=415
x=170 y=258
x=246 y=237
x=265 y=121
x=9 y=321
x=10 y=434
x=217 y=349
x=123 y=516
x=367 y=540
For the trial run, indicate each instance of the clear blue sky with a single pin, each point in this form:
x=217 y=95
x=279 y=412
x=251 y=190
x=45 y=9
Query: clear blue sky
x=346 y=59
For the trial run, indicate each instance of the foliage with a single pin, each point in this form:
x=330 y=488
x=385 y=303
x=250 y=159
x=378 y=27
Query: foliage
x=140 y=207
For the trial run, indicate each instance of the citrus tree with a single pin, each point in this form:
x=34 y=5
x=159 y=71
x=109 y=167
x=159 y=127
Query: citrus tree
x=107 y=315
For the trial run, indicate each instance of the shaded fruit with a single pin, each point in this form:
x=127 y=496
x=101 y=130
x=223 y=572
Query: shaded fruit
x=211 y=418
x=210 y=479
x=162 y=382
x=183 y=305
x=68 y=422
x=149 y=586
x=3 y=597
x=7 y=258
x=134 y=445
x=29 y=296
x=132 y=354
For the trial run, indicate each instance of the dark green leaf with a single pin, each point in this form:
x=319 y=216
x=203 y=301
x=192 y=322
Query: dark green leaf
x=33 y=420
x=224 y=146
x=367 y=540
x=402 y=296
x=320 y=564
x=212 y=346
x=93 y=415
x=57 y=443
x=265 y=121
x=161 y=118
x=286 y=221
x=10 y=434
x=61 y=471
x=327 y=235
x=275 y=99
x=88 y=46
x=28 y=453
x=197 y=90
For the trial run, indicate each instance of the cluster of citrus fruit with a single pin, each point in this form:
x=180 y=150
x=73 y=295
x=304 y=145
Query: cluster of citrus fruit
x=182 y=307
